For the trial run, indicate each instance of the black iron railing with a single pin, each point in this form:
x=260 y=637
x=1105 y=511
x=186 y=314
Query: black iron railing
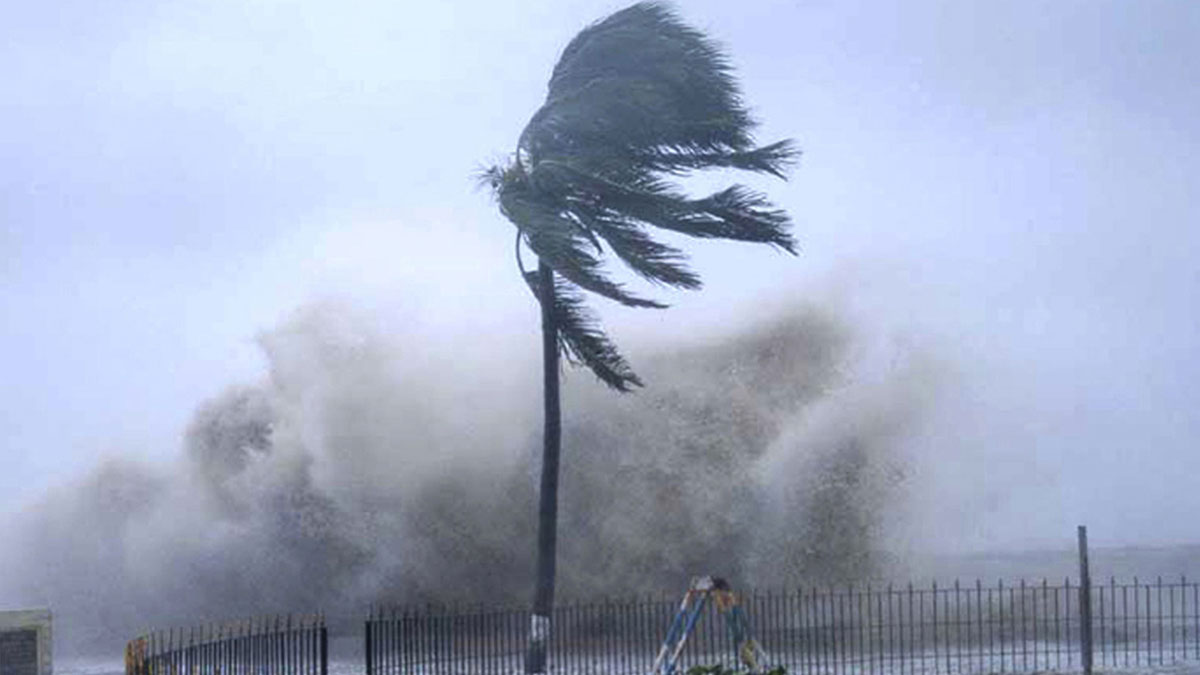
x=901 y=630
x=279 y=645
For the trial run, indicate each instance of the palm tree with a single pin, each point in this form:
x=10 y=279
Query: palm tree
x=635 y=99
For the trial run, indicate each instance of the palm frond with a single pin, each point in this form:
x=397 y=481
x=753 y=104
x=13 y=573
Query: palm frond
x=736 y=213
x=653 y=261
x=774 y=159
x=640 y=79
x=740 y=214
x=635 y=99
x=562 y=243
x=580 y=338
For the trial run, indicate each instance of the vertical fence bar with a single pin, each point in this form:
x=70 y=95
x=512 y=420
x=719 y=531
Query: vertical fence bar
x=1023 y=635
x=264 y=651
x=840 y=633
x=814 y=625
x=946 y=631
x=893 y=652
x=1159 y=602
x=453 y=632
x=1125 y=623
x=1196 y=618
x=1038 y=596
x=323 y=649
x=1171 y=617
x=1085 y=604
x=809 y=629
x=419 y=640
x=480 y=621
x=303 y=652
x=821 y=606
x=1149 y=629
x=1000 y=628
x=484 y=636
x=1040 y=617
x=1014 y=633
x=1103 y=634
x=875 y=621
x=819 y=636
x=1137 y=623
x=391 y=628
x=1059 y=599
x=1112 y=619
x=911 y=656
x=281 y=664
x=864 y=627
x=625 y=639
x=466 y=631
x=1183 y=589
x=579 y=615
x=979 y=665
x=370 y=647
x=289 y=654
x=958 y=639
x=428 y=638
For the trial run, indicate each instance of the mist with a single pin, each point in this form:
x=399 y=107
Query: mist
x=367 y=467
x=1003 y=193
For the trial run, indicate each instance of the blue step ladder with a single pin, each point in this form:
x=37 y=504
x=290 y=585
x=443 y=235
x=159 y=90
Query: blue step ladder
x=701 y=591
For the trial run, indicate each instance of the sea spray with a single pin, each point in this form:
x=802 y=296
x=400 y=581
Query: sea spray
x=371 y=466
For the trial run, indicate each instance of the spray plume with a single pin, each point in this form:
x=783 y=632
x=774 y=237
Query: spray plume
x=366 y=468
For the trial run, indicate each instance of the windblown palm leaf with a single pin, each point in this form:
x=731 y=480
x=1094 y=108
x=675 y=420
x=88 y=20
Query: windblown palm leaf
x=634 y=100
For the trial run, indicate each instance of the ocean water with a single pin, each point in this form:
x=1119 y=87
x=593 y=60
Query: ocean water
x=1123 y=564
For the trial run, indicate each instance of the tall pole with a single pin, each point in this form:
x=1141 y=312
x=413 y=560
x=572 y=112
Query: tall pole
x=1085 y=604
x=543 y=599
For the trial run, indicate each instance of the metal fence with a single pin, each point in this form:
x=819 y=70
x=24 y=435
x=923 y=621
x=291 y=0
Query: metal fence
x=956 y=628
x=279 y=645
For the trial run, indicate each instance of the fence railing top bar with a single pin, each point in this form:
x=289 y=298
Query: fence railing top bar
x=812 y=593
x=175 y=637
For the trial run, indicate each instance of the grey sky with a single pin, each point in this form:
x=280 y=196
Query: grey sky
x=1009 y=181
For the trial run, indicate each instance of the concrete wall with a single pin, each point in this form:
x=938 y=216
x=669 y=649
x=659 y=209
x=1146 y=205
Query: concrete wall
x=25 y=646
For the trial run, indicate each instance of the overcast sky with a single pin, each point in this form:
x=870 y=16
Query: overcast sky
x=1012 y=182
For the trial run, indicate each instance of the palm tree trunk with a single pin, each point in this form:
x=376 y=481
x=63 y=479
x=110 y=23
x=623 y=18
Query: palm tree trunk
x=543 y=599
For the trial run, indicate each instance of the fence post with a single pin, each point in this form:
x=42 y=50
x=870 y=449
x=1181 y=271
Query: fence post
x=1085 y=604
x=324 y=638
x=370 y=651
